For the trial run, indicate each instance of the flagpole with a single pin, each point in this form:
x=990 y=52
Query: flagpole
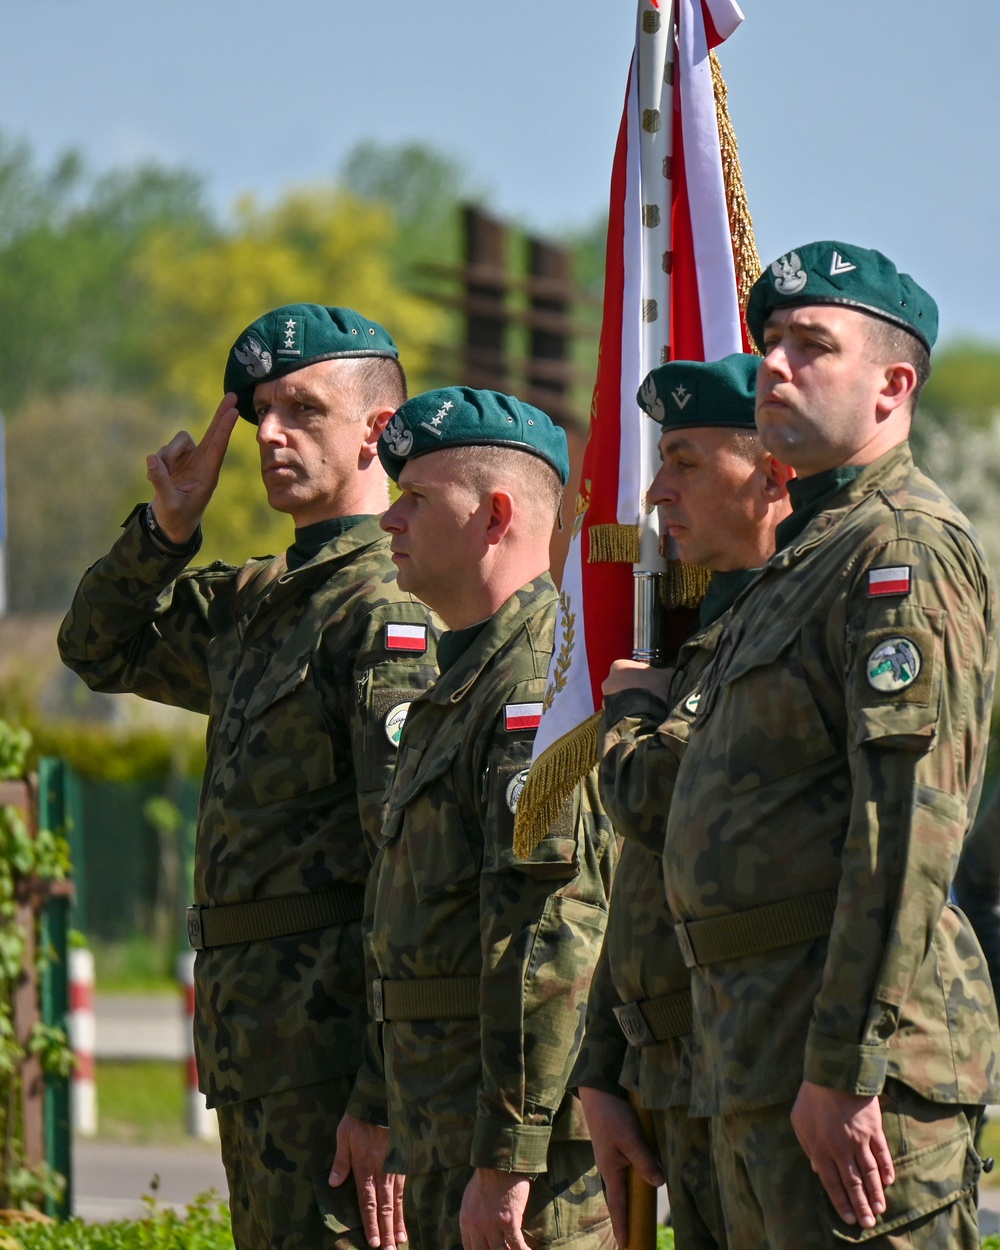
x=655 y=45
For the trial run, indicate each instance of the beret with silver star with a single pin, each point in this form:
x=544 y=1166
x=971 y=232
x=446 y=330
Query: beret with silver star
x=296 y=335
x=840 y=273
x=687 y=393
x=458 y=416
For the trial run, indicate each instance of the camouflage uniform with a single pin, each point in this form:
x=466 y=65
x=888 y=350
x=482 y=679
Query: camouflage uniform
x=451 y=900
x=641 y=958
x=977 y=885
x=837 y=752
x=298 y=674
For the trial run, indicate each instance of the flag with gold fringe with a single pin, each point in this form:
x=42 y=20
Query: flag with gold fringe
x=680 y=261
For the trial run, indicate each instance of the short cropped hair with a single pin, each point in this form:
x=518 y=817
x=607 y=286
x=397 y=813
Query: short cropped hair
x=746 y=444
x=379 y=382
x=530 y=479
x=889 y=343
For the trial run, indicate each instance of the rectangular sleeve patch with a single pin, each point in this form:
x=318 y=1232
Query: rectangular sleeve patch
x=400 y=637
x=521 y=716
x=891 y=581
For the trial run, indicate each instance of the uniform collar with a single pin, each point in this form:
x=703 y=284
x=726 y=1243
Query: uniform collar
x=509 y=618
x=884 y=474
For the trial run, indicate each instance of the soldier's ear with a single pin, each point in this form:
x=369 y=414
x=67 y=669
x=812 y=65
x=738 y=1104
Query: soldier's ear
x=501 y=513
x=776 y=477
x=376 y=421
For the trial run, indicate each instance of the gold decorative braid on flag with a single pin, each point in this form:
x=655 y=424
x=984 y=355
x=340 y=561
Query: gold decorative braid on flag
x=613 y=544
x=685 y=585
x=552 y=778
x=745 y=254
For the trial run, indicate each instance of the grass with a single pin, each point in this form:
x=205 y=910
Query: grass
x=143 y=1102
x=134 y=966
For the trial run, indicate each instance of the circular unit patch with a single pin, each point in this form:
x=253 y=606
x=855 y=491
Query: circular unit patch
x=514 y=788
x=692 y=701
x=394 y=721
x=893 y=665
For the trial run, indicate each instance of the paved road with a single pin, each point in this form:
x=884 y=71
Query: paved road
x=111 y=1179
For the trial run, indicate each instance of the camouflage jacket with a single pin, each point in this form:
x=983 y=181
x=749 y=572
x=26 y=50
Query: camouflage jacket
x=977 y=885
x=451 y=899
x=838 y=745
x=300 y=677
x=641 y=957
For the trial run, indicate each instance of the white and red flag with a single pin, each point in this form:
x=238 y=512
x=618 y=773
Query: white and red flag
x=673 y=284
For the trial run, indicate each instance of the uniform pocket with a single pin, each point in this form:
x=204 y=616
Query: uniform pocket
x=935 y=1162
x=286 y=748
x=766 y=700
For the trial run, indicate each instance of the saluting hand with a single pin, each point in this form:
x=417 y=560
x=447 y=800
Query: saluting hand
x=844 y=1141
x=184 y=474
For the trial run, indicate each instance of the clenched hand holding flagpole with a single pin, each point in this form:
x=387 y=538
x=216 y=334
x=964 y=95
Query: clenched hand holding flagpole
x=680 y=260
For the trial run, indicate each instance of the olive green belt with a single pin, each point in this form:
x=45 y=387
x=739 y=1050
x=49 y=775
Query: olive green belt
x=426 y=998
x=649 y=1020
x=756 y=929
x=235 y=923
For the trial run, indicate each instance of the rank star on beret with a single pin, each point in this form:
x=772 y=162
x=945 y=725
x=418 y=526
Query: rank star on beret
x=687 y=393
x=296 y=335
x=840 y=273
x=458 y=416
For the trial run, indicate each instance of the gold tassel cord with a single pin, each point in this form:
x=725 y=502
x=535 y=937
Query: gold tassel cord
x=685 y=585
x=613 y=544
x=745 y=255
x=552 y=778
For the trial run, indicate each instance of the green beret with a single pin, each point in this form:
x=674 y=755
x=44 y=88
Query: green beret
x=839 y=273
x=296 y=335
x=458 y=416
x=686 y=393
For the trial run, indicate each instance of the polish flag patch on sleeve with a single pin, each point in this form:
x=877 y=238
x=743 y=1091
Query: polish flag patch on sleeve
x=405 y=637
x=522 y=715
x=893 y=581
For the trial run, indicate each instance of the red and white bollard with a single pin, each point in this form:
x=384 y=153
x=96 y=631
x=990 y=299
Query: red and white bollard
x=82 y=1037
x=201 y=1120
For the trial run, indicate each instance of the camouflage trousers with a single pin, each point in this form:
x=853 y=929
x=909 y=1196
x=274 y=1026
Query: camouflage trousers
x=278 y=1151
x=685 y=1149
x=773 y=1200
x=566 y=1206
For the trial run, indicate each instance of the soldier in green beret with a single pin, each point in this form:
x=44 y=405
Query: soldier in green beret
x=480 y=959
x=845 y=1032
x=305 y=665
x=720 y=496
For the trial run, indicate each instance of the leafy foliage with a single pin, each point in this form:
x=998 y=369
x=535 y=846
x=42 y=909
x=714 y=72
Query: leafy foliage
x=25 y=861
x=204 y=1226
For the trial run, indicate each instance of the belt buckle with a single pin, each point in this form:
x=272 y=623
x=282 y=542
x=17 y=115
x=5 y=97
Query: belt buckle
x=378 y=1001
x=633 y=1024
x=684 y=942
x=196 y=935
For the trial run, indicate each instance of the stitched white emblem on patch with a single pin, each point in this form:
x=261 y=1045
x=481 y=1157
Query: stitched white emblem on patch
x=839 y=265
x=514 y=788
x=789 y=276
x=433 y=424
x=893 y=665
x=254 y=357
x=692 y=701
x=394 y=722
x=651 y=401
x=680 y=396
x=398 y=438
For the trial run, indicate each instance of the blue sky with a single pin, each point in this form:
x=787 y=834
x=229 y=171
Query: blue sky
x=874 y=121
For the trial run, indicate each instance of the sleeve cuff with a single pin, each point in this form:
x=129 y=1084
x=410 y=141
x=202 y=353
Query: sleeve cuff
x=636 y=702
x=510 y=1147
x=843 y=1065
x=368 y=1100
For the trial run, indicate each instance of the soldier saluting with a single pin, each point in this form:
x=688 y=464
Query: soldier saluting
x=845 y=1033
x=305 y=665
